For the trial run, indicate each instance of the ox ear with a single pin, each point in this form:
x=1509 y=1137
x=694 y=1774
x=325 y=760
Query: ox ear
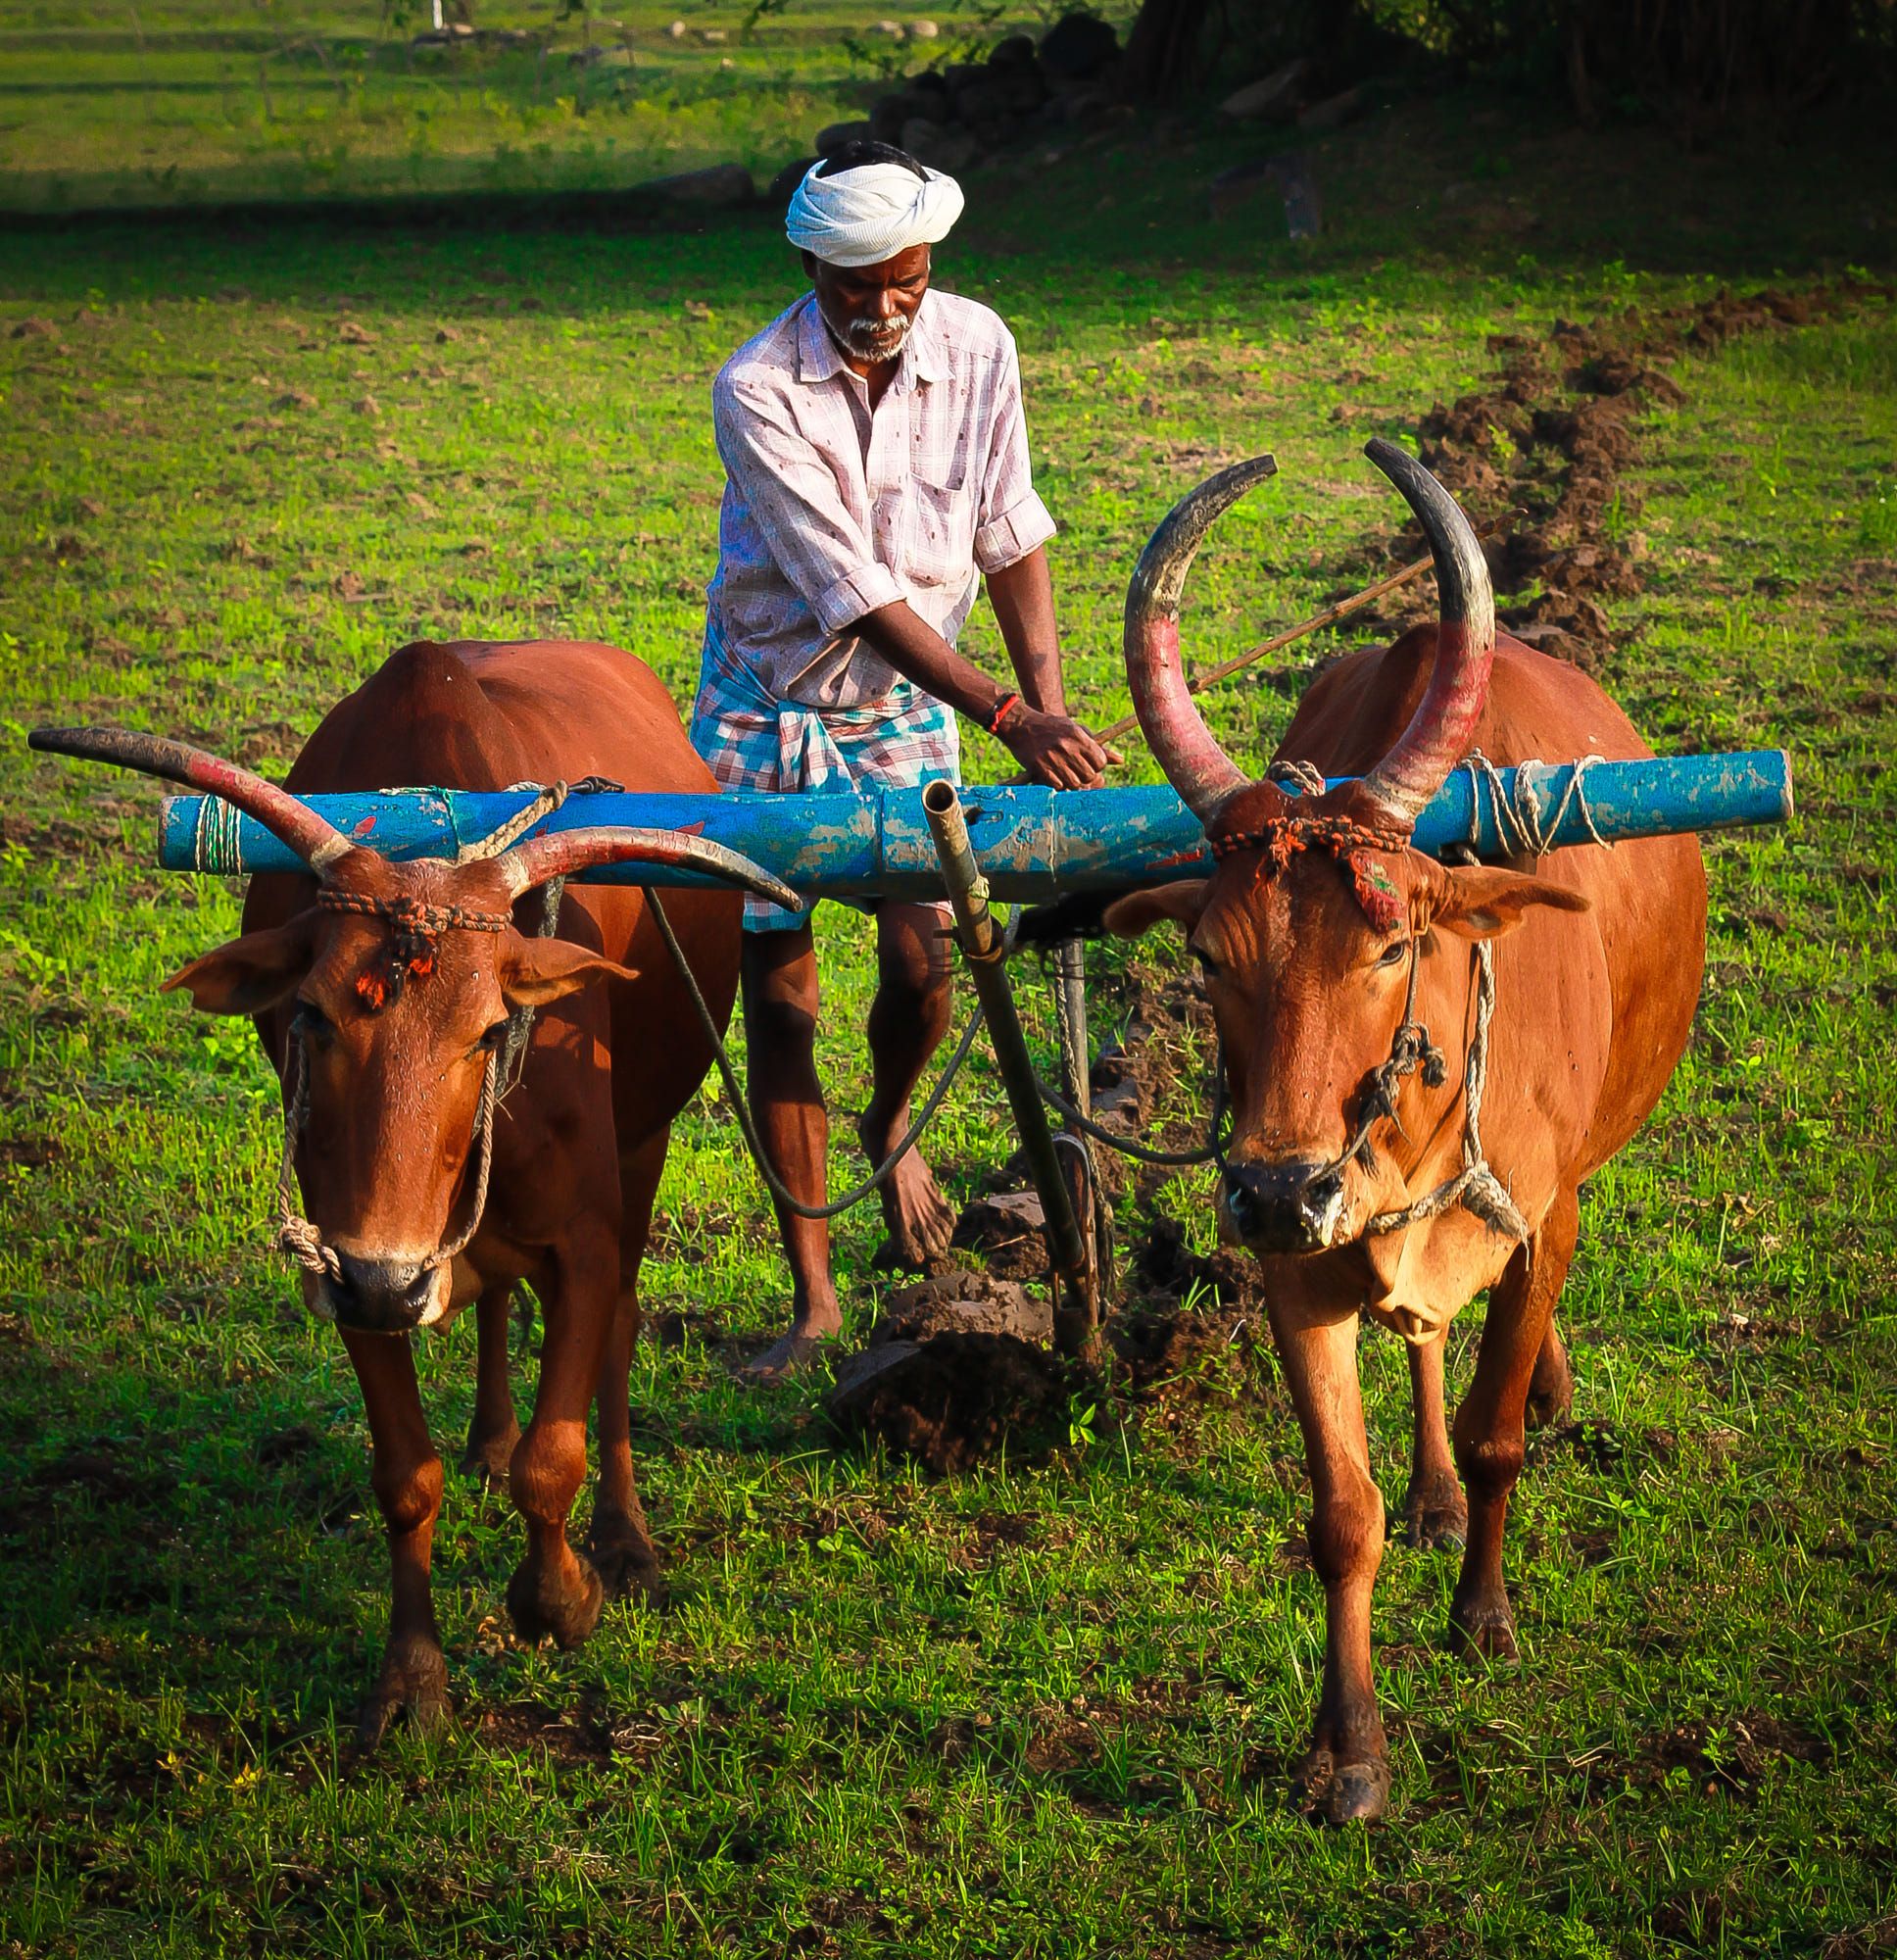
x=1484 y=902
x=535 y=972
x=251 y=973
x=1140 y=912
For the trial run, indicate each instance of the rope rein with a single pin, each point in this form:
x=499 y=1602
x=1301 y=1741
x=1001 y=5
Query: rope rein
x=746 y=1123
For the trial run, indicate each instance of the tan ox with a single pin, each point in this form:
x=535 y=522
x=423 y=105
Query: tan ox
x=386 y=995
x=1343 y=969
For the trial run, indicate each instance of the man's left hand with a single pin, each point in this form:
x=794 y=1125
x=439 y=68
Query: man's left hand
x=1055 y=749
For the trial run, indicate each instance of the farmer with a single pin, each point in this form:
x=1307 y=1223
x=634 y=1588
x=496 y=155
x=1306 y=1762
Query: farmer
x=876 y=465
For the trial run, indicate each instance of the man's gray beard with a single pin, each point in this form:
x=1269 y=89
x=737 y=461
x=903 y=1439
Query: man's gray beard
x=866 y=342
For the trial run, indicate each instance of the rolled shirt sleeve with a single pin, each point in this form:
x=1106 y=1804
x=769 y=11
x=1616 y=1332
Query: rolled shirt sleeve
x=1012 y=520
x=793 y=498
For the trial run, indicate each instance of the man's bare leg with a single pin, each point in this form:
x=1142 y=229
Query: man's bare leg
x=780 y=991
x=906 y=1024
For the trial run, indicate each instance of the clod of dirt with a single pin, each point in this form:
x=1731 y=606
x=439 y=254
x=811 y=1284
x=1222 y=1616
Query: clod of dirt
x=1162 y=1263
x=1730 y=1757
x=1007 y=1229
x=949 y=1401
x=961 y=1302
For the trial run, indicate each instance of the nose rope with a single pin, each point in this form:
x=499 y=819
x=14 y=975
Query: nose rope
x=300 y=1239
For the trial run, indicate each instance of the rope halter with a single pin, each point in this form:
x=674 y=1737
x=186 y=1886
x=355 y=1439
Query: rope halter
x=415 y=927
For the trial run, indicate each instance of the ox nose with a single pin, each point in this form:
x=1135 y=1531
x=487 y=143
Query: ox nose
x=380 y=1296
x=1283 y=1208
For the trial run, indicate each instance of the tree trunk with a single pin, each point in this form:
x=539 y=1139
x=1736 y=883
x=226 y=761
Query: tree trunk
x=1160 y=48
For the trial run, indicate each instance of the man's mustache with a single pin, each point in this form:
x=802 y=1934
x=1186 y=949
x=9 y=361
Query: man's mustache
x=875 y=339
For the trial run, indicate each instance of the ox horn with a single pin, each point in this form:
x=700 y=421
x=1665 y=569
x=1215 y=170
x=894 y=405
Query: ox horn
x=1202 y=773
x=316 y=841
x=561 y=853
x=1445 y=719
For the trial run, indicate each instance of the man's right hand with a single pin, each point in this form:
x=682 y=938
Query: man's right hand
x=1055 y=749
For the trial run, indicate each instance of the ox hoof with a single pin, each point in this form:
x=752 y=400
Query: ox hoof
x=554 y=1605
x=1347 y=1793
x=625 y=1559
x=486 y=1457
x=413 y=1688
x=1437 y=1516
x=1359 y=1794
x=1483 y=1630
x=1549 y=1407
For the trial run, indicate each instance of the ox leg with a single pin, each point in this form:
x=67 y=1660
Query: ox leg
x=1434 y=1511
x=1346 y=1774
x=554 y=1590
x=407 y=1478
x=617 y=1541
x=493 y=1432
x=1490 y=1433
x=1551 y=1387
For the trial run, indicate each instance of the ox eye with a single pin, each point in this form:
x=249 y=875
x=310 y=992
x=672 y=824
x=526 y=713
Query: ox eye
x=1395 y=953
x=312 y=1023
x=491 y=1042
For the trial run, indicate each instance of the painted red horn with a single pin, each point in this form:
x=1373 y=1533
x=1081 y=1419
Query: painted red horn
x=1202 y=773
x=562 y=854
x=316 y=841
x=1439 y=731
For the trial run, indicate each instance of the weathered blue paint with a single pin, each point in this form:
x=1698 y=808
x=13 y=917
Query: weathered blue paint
x=1032 y=843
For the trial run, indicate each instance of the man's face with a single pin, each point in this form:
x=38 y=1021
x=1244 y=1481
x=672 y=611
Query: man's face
x=870 y=309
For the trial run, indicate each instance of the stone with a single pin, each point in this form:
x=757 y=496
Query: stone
x=1079 y=47
x=723 y=184
x=676 y=31
x=923 y=30
x=1334 y=111
x=890 y=30
x=940 y=149
x=1274 y=95
x=835 y=135
x=1016 y=52
x=713 y=38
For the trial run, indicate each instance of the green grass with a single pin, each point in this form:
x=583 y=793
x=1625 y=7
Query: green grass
x=1046 y=1708
x=130 y=102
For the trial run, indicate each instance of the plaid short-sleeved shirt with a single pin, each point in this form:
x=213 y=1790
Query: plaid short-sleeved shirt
x=831 y=511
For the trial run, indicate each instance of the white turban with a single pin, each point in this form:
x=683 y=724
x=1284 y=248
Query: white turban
x=865 y=216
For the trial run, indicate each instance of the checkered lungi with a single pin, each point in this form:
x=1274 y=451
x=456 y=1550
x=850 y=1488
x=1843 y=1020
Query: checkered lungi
x=751 y=741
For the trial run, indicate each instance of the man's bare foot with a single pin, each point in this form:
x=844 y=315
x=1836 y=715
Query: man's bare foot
x=920 y=1220
x=786 y=1357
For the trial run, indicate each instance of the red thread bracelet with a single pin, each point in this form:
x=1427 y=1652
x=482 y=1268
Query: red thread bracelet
x=1006 y=706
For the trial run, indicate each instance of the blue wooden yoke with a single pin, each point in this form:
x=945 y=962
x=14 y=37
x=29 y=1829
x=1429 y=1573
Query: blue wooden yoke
x=1030 y=843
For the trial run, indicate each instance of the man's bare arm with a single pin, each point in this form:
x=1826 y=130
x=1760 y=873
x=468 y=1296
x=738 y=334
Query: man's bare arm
x=1051 y=748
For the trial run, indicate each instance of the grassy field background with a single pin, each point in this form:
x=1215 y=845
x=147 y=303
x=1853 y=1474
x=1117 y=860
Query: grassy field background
x=1047 y=1707
x=142 y=102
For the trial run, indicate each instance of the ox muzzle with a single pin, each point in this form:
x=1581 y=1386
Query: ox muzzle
x=376 y=1295
x=1284 y=1208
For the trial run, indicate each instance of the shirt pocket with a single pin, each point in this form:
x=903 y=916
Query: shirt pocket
x=941 y=547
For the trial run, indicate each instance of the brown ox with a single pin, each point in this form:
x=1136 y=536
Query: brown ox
x=1312 y=931
x=392 y=985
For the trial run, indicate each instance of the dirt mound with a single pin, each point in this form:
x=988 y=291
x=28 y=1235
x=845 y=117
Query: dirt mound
x=963 y=1302
x=1552 y=437
x=953 y=1399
